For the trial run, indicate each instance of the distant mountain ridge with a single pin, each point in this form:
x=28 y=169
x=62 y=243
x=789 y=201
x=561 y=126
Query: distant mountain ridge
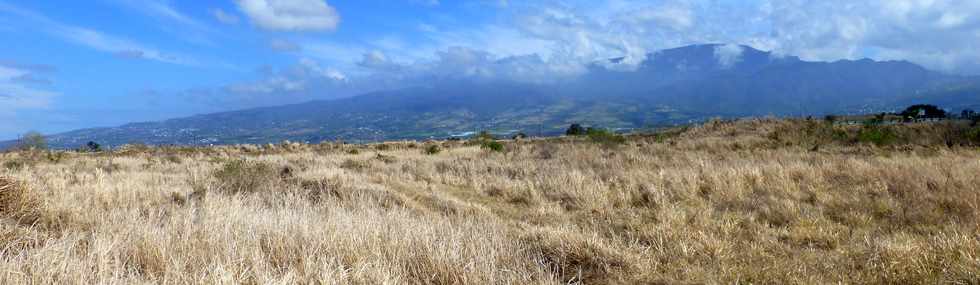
x=672 y=86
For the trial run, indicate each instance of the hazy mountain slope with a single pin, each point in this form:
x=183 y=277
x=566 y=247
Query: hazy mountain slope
x=671 y=86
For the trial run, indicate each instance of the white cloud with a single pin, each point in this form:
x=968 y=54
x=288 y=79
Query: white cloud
x=95 y=39
x=378 y=61
x=224 y=17
x=16 y=95
x=173 y=20
x=728 y=55
x=940 y=34
x=284 y=45
x=291 y=15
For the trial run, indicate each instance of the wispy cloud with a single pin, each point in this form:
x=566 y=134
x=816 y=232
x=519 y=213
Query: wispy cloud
x=173 y=21
x=224 y=17
x=16 y=94
x=95 y=39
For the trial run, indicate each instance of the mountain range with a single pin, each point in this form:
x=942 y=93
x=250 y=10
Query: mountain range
x=674 y=86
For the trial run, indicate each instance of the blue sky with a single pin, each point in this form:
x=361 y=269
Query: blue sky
x=73 y=64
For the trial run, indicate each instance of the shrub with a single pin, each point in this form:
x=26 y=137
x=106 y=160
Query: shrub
x=387 y=159
x=354 y=164
x=353 y=151
x=923 y=111
x=32 y=141
x=604 y=136
x=14 y=165
x=242 y=176
x=493 y=146
x=877 y=135
x=575 y=130
x=55 y=156
x=432 y=149
x=93 y=147
x=18 y=202
x=973 y=135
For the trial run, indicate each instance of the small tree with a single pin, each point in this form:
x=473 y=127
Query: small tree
x=32 y=140
x=93 y=147
x=968 y=114
x=575 y=130
x=923 y=111
x=492 y=146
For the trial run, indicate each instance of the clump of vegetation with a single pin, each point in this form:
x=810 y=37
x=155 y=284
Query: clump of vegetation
x=353 y=151
x=877 y=135
x=605 y=136
x=575 y=130
x=923 y=111
x=354 y=164
x=92 y=147
x=244 y=176
x=492 y=146
x=55 y=156
x=387 y=159
x=32 y=141
x=18 y=202
x=432 y=149
x=973 y=135
x=14 y=164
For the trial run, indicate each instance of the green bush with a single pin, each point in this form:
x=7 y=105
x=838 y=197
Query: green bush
x=973 y=135
x=877 y=135
x=432 y=149
x=575 y=130
x=55 y=156
x=604 y=136
x=14 y=165
x=491 y=145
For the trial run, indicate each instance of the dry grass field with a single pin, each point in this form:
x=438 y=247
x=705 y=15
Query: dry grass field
x=748 y=202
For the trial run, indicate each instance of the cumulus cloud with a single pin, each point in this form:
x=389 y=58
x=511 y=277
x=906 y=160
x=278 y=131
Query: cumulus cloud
x=941 y=34
x=291 y=15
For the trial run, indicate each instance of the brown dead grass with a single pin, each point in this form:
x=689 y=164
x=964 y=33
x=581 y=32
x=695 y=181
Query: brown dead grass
x=750 y=202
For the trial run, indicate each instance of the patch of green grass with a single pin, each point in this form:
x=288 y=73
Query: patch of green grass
x=605 y=137
x=879 y=136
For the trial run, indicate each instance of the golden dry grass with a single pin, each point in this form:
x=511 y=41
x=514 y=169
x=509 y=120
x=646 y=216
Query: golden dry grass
x=750 y=202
